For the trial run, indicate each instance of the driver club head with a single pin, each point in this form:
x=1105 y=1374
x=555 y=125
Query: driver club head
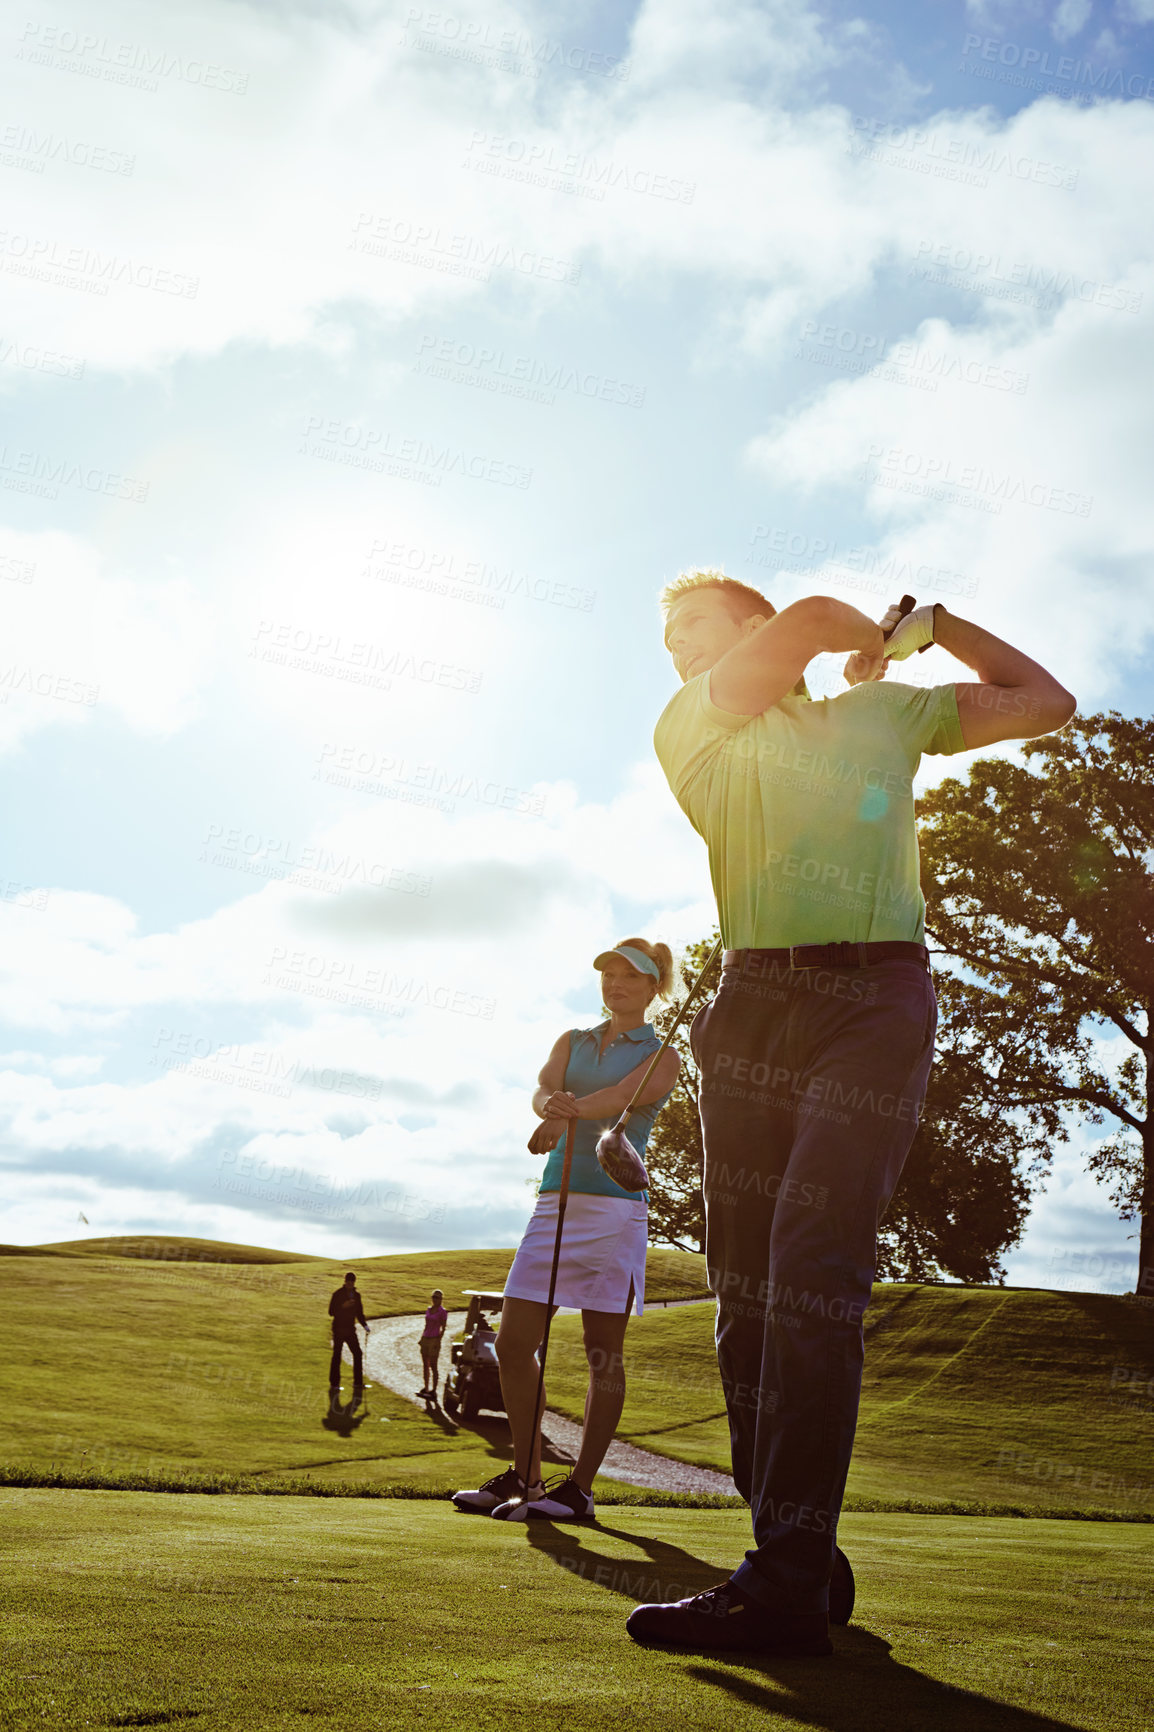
x=620 y=1161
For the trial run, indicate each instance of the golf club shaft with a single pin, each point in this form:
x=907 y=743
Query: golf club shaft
x=562 y=1199
x=673 y=1027
x=906 y=605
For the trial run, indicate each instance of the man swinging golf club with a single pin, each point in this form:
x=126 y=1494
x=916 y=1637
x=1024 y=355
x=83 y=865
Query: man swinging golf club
x=815 y=1053
x=585 y=1243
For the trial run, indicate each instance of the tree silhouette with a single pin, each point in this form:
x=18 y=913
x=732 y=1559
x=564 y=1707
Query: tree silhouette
x=964 y=1193
x=673 y=1154
x=1040 y=882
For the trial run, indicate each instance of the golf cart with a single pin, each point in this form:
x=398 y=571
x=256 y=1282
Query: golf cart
x=473 y=1380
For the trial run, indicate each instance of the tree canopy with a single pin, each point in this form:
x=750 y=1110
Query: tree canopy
x=1039 y=879
x=964 y=1192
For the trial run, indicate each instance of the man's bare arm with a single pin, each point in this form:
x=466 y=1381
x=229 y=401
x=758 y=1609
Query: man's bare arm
x=765 y=666
x=1016 y=700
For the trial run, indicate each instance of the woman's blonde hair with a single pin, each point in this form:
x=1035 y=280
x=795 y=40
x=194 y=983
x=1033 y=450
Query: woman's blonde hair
x=658 y=953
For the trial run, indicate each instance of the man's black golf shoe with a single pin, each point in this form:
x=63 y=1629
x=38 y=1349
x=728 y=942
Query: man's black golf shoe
x=725 y=1619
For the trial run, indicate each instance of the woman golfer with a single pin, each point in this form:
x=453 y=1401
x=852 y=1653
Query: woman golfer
x=435 y=1319
x=589 y=1076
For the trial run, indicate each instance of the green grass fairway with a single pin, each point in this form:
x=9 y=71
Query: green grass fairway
x=243 y=1614
x=977 y=1395
x=215 y=1357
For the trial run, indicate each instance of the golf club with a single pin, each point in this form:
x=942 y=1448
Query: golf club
x=562 y=1199
x=619 y=1159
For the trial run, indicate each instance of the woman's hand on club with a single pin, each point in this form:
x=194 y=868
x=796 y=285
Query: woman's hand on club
x=561 y=1105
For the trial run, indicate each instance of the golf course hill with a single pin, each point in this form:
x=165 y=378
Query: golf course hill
x=167 y=1359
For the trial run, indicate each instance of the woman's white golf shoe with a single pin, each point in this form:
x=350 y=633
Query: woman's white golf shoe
x=562 y=1500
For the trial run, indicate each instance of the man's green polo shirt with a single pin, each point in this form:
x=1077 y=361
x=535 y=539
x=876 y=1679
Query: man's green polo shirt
x=808 y=808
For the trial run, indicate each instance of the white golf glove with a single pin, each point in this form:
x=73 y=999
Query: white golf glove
x=914 y=632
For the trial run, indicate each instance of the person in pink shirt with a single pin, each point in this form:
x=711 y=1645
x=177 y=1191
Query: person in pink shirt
x=436 y=1318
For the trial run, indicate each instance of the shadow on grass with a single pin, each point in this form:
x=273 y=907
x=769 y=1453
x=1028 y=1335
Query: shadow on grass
x=435 y=1412
x=830 y=1694
x=671 y=1572
x=343 y=1417
x=814 y=1693
x=494 y=1433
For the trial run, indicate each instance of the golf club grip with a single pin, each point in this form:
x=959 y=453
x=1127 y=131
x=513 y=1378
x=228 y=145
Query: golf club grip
x=906 y=605
x=673 y=1028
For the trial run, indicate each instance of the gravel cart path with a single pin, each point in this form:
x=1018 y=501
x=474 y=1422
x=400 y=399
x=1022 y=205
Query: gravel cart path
x=393 y=1359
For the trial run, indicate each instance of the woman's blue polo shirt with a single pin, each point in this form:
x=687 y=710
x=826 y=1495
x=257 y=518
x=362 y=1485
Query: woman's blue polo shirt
x=585 y=1073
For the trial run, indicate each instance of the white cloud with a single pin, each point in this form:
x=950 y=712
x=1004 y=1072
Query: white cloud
x=1074 y=1239
x=359 y=1025
x=81 y=641
x=1070 y=18
x=771 y=44
x=80 y=961
x=1067 y=508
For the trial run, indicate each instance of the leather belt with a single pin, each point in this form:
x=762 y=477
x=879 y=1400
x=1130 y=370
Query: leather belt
x=846 y=955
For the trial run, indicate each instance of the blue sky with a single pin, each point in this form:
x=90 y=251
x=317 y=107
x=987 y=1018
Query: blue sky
x=364 y=375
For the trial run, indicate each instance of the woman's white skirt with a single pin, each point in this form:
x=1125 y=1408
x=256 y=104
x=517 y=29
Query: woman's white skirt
x=602 y=1250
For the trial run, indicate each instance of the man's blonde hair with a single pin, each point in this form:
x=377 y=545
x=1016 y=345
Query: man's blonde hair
x=741 y=601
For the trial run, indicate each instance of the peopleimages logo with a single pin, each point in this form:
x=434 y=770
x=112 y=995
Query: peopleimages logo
x=523 y=376
x=545 y=164
x=441 y=572
x=969 y=483
x=381 y=451
x=1036 y=63
x=486 y=44
x=788 y=549
x=403 y=241
x=965 y=159
x=23 y=147
x=359 y=662
x=965 y=268
x=115 y=62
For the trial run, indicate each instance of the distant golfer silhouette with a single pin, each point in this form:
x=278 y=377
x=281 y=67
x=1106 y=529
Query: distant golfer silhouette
x=346 y=1311
x=436 y=1318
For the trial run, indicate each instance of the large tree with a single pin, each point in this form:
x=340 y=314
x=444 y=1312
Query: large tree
x=674 y=1155
x=1039 y=880
x=964 y=1193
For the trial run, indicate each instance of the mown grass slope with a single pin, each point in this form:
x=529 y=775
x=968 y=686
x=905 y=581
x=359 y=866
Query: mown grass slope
x=215 y=1358
x=241 y=1614
x=971 y=1394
